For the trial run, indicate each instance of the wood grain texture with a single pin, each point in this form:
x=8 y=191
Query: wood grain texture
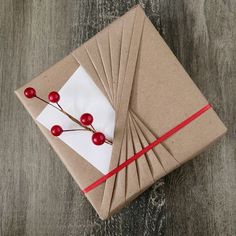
x=37 y=194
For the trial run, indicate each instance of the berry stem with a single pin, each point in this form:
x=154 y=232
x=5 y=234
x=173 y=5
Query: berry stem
x=67 y=130
x=93 y=128
x=108 y=141
x=85 y=128
x=46 y=102
x=59 y=106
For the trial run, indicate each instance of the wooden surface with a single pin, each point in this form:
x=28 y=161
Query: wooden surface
x=38 y=196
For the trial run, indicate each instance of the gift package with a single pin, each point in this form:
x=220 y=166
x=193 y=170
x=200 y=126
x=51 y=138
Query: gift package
x=121 y=112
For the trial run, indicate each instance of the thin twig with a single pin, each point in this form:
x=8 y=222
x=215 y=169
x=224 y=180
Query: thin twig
x=59 y=106
x=47 y=102
x=67 y=130
x=93 y=128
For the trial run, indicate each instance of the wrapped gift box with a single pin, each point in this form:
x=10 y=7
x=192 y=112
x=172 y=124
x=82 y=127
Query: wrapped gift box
x=155 y=115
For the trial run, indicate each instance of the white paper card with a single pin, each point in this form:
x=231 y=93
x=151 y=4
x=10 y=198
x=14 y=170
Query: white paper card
x=81 y=95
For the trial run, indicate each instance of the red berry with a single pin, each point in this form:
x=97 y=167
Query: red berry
x=53 y=97
x=98 y=138
x=56 y=130
x=86 y=119
x=30 y=92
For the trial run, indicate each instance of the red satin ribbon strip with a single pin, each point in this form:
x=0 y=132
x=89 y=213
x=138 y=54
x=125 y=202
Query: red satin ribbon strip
x=147 y=148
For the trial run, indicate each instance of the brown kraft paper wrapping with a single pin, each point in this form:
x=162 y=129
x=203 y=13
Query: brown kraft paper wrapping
x=150 y=93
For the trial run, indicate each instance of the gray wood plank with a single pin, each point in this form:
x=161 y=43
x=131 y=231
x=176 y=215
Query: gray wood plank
x=37 y=194
x=200 y=196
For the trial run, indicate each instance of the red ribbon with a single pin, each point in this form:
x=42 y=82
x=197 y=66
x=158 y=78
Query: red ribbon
x=147 y=148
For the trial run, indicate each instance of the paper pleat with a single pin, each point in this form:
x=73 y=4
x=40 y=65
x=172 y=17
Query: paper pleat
x=96 y=59
x=127 y=32
x=155 y=164
x=143 y=168
x=119 y=192
x=115 y=39
x=103 y=43
x=81 y=55
x=133 y=183
x=166 y=159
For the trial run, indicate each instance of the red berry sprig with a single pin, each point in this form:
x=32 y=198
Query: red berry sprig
x=85 y=121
